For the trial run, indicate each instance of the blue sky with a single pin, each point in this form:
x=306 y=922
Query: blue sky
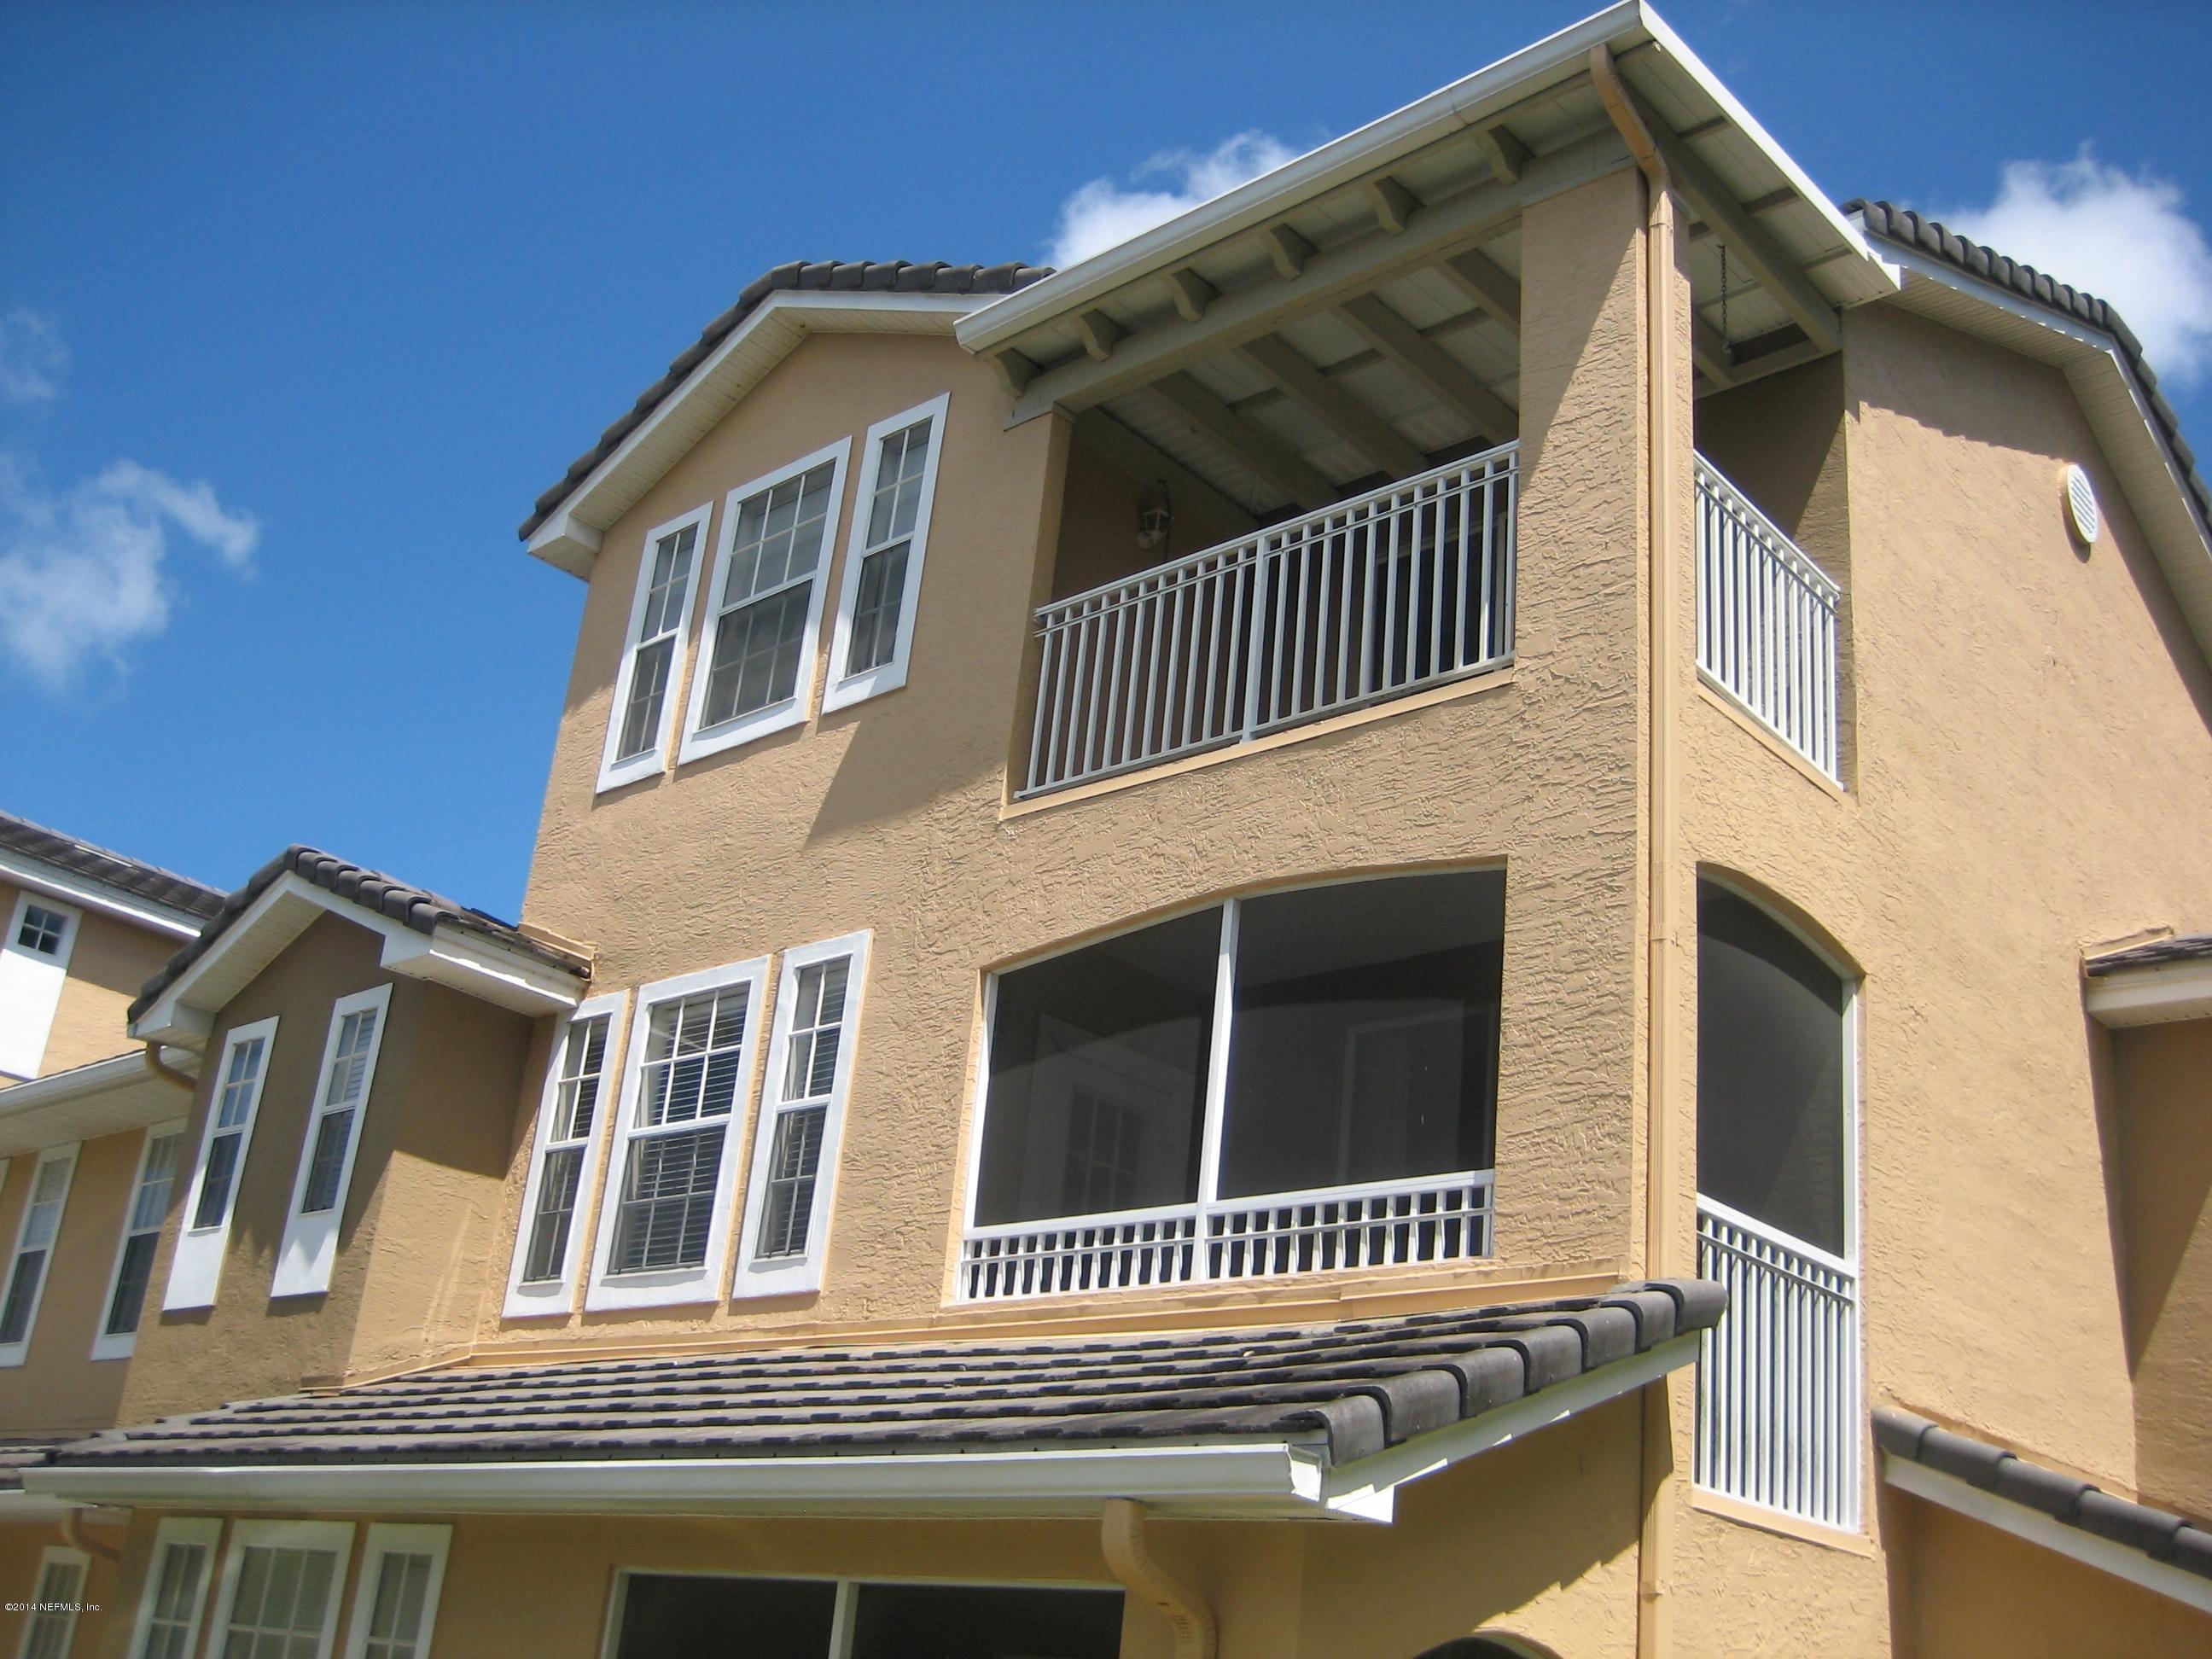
x=300 y=307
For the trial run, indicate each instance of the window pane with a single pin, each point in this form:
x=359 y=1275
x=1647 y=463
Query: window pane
x=582 y=1061
x=898 y=484
x=775 y=1618
x=960 y=1621
x=1771 y=1106
x=1124 y=1023
x=42 y=930
x=756 y=650
x=238 y=1085
x=1364 y=1041
x=214 y=1187
x=793 y=1162
x=169 y=1630
x=648 y=686
x=556 y=1210
x=778 y=537
x=150 y=1205
x=671 y=573
x=131 y=1279
x=668 y=1201
x=395 y=1620
x=22 y=1293
x=875 y=609
x=692 y=1051
x=332 y=1135
x=283 y=1596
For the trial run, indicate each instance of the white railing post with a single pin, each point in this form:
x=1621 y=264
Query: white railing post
x=1267 y=613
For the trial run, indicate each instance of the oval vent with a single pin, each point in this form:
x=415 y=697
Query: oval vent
x=2082 y=505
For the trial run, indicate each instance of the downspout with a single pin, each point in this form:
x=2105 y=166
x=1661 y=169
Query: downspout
x=1122 y=1535
x=168 y=1073
x=1655 y=1554
x=73 y=1535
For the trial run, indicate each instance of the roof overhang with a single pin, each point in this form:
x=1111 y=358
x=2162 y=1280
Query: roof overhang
x=459 y=957
x=1279 y=1479
x=2152 y=994
x=2112 y=398
x=570 y=538
x=94 y=895
x=106 y=1097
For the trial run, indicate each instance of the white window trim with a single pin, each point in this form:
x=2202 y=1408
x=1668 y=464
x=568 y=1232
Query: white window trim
x=844 y=689
x=31 y=986
x=120 y=1346
x=674 y=1286
x=310 y=1248
x=335 y=1536
x=184 y=1530
x=698 y=742
x=789 y=1275
x=14 y=1353
x=558 y=1295
x=196 y=1263
x=387 y=1538
x=614 y=773
x=48 y=1557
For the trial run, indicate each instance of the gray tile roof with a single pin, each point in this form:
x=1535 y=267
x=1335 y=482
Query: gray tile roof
x=2159 y=1533
x=832 y=276
x=1913 y=230
x=20 y=1452
x=2190 y=947
x=416 y=908
x=128 y=875
x=1361 y=1385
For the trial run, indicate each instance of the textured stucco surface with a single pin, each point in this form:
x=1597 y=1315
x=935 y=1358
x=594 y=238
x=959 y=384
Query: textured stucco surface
x=22 y=1546
x=109 y=962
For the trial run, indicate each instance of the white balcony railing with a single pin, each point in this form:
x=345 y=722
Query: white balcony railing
x=1387 y=1224
x=1778 y=1380
x=1372 y=598
x=1766 y=620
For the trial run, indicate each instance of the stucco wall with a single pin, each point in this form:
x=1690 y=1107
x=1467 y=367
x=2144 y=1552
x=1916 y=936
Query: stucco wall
x=59 y=1386
x=2163 y=1103
x=889 y=816
x=109 y=962
x=22 y=1545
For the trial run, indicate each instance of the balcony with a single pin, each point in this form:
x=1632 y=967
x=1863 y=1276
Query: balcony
x=1767 y=622
x=1370 y=598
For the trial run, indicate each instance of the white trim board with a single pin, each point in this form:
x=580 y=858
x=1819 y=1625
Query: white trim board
x=2151 y=994
x=95 y=895
x=1963 y=1497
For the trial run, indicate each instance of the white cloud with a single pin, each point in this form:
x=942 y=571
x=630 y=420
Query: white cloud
x=1102 y=213
x=32 y=358
x=2125 y=237
x=81 y=572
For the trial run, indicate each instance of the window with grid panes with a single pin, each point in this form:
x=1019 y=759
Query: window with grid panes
x=397 y=1627
x=141 y=1231
x=50 y=1625
x=894 y=506
x=350 y=1058
x=283 y=1604
x=767 y=596
x=234 y=1117
x=654 y=646
x=172 y=1600
x=42 y=930
x=809 y=1072
x=34 y=1245
x=568 y=1137
x=689 y=1079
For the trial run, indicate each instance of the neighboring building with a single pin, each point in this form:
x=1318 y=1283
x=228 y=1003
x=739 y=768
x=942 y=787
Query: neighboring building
x=90 y=1135
x=1195 y=917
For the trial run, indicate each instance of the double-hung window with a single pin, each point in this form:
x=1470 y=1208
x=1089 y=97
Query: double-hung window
x=874 y=634
x=565 y=1162
x=196 y=1266
x=49 y=1621
x=281 y=1587
x=141 y=1231
x=34 y=959
x=664 y=1228
x=758 y=668
x=402 y=1571
x=653 y=655
x=318 y=1191
x=802 y=1112
x=176 y=1589
x=35 y=1251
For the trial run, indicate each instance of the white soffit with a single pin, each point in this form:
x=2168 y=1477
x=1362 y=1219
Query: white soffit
x=106 y=1097
x=2111 y=397
x=2155 y=993
x=185 y=1011
x=570 y=536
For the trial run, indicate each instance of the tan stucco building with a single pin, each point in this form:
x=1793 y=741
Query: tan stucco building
x=1407 y=921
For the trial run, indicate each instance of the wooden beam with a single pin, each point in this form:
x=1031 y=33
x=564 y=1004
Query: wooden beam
x=1484 y=280
x=1137 y=457
x=1374 y=438
x=1100 y=332
x=1428 y=362
x=1193 y=293
x=1289 y=250
x=1394 y=205
x=1713 y=202
x=1508 y=154
x=1250 y=444
x=1711 y=353
x=1014 y=371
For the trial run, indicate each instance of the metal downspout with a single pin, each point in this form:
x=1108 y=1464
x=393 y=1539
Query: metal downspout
x=168 y=1073
x=1655 y=1555
x=73 y=1535
x=1122 y=1535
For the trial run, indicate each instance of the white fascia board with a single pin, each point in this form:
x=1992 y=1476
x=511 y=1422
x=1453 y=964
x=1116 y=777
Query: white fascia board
x=97 y=896
x=1966 y=1499
x=569 y=540
x=449 y=956
x=2153 y=995
x=1242 y=1478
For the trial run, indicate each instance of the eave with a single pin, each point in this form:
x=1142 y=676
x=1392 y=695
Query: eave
x=2153 y=995
x=94 y=895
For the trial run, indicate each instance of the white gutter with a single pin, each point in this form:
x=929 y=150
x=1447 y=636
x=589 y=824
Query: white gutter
x=96 y=895
x=2153 y=995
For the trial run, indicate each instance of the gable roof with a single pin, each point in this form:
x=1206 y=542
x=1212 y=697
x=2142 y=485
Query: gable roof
x=539 y=975
x=799 y=276
x=1340 y=1394
x=180 y=898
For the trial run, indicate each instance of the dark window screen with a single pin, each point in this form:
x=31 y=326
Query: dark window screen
x=951 y=1622
x=1770 y=1077
x=667 y=1617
